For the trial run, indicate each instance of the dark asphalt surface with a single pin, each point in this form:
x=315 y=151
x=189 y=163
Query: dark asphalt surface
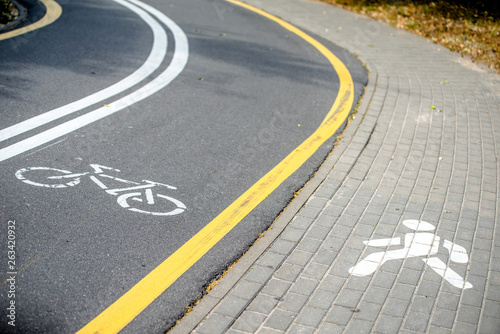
x=229 y=118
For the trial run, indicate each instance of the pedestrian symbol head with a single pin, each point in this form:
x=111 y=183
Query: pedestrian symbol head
x=418 y=225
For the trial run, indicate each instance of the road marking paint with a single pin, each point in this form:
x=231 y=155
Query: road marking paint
x=133 y=302
x=176 y=66
x=53 y=12
x=416 y=245
x=154 y=60
x=25 y=174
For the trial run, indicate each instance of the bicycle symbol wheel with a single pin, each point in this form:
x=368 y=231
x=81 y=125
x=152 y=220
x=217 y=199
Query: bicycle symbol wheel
x=141 y=202
x=46 y=177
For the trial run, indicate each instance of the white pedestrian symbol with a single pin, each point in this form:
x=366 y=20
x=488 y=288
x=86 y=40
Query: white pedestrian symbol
x=416 y=245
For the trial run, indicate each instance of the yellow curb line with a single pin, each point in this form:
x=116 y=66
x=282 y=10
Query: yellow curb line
x=54 y=11
x=132 y=303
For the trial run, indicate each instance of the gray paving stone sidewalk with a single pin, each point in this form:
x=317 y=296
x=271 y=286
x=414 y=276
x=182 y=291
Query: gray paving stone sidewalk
x=401 y=161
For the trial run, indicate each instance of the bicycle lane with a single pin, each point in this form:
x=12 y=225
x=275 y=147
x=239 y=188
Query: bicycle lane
x=101 y=250
x=71 y=58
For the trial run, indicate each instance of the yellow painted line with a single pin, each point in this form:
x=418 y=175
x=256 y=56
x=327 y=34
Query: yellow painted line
x=53 y=12
x=133 y=302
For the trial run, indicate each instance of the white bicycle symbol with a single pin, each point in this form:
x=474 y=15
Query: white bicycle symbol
x=137 y=197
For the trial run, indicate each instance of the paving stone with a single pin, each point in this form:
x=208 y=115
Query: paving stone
x=428 y=289
x=443 y=318
x=395 y=307
x=364 y=231
x=318 y=232
x=376 y=295
x=309 y=245
x=309 y=212
x=375 y=210
x=249 y=322
x=276 y=287
x=325 y=192
x=491 y=309
x=356 y=243
x=349 y=255
x=316 y=202
x=469 y=314
x=231 y=306
x=271 y=259
x=359 y=326
x=328 y=328
x=263 y=304
x=339 y=315
x=299 y=258
x=311 y=316
x=472 y=298
x=233 y=331
x=348 y=298
x=282 y=246
x=489 y=325
x=384 y=279
x=325 y=257
x=358 y=283
x=448 y=301
x=388 y=324
x=304 y=286
x=288 y=272
x=340 y=200
x=342 y=232
x=341 y=268
x=322 y=299
x=422 y=305
x=326 y=220
x=280 y=319
x=301 y=223
x=334 y=244
x=292 y=234
x=214 y=324
x=417 y=322
x=332 y=283
x=246 y=290
x=464 y=328
x=439 y=330
x=293 y=302
x=315 y=271
x=368 y=311
x=347 y=220
x=409 y=276
x=299 y=329
x=259 y=274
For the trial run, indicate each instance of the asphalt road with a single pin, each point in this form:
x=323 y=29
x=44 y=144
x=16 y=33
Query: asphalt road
x=249 y=94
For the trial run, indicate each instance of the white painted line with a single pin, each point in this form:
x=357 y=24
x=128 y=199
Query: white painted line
x=156 y=57
x=178 y=63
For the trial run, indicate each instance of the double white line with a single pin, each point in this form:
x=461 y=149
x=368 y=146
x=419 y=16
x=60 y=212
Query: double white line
x=154 y=60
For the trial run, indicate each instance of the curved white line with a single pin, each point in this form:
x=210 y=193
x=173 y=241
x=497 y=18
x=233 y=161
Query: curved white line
x=156 y=57
x=178 y=63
